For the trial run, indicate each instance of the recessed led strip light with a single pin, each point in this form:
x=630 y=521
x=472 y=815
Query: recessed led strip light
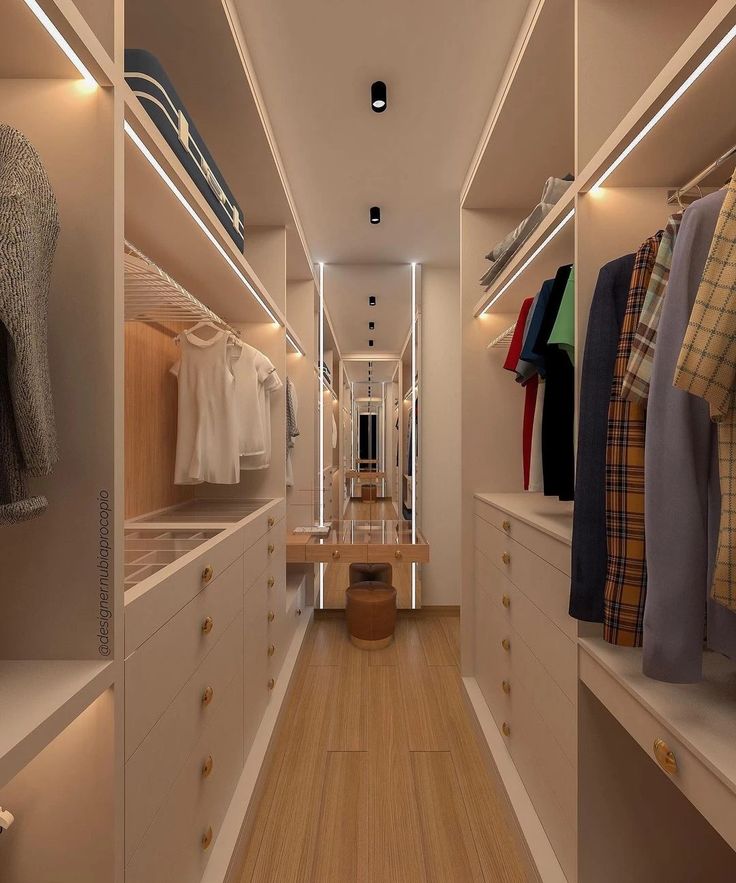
x=200 y=223
x=413 y=429
x=61 y=42
x=321 y=406
x=699 y=70
x=537 y=251
x=295 y=346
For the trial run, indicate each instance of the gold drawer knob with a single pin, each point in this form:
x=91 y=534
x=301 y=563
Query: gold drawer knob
x=506 y=687
x=207 y=838
x=208 y=573
x=299 y=611
x=335 y=554
x=207 y=625
x=506 y=644
x=207 y=696
x=271 y=547
x=271 y=522
x=506 y=558
x=506 y=601
x=207 y=767
x=271 y=616
x=397 y=554
x=506 y=526
x=665 y=757
x=271 y=683
x=271 y=649
x=270 y=582
x=505 y=729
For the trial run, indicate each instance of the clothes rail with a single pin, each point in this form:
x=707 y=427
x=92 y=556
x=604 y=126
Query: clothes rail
x=503 y=339
x=681 y=191
x=151 y=295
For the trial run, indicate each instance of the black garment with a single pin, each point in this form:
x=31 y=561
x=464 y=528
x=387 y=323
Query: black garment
x=589 y=550
x=558 y=412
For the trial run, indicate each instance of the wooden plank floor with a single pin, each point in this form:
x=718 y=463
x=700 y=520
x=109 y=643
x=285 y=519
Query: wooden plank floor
x=378 y=775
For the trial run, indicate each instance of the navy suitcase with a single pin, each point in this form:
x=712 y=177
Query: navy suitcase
x=147 y=78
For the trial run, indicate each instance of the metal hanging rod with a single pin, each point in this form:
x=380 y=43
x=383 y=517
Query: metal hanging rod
x=151 y=295
x=503 y=339
x=681 y=191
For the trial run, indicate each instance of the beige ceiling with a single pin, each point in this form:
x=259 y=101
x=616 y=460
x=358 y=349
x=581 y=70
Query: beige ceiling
x=442 y=61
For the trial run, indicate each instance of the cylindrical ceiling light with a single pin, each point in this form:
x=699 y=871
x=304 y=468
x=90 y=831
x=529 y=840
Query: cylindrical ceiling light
x=375 y=215
x=378 y=96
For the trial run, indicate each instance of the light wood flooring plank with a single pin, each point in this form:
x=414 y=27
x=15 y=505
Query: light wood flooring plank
x=342 y=835
x=394 y=829
x=349 y=727
x=450 y=855
x=287 y=849
x=497 y=837
x=327 y=645
x=451 y=627
x=436 y=646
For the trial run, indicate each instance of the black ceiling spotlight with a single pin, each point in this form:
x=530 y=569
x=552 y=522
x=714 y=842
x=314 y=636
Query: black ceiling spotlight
x=378 y=96
x=371 y=326
x=375 y=214
x=370 y=342
x=372 y=300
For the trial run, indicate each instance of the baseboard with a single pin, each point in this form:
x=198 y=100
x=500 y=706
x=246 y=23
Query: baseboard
x=540 y=849
x=228 y=851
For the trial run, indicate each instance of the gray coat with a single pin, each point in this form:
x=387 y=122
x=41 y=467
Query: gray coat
x=683 y=501
x=29 y=229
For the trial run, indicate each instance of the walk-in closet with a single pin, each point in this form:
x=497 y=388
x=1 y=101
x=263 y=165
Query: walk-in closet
x=366 y=441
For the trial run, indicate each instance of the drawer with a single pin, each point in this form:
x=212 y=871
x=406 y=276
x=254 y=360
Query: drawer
x=256 y=692
x=492 y=662
x=552 y=647
x=554 y=551
x=546 y=586
x=267 y=552
x=340 y=553
x=275 y=512
x=406 y=553
x=158 y=669
x=701 y=786
x=172 y=850
x=153 y=768
x=549 y=778
x=146 y=614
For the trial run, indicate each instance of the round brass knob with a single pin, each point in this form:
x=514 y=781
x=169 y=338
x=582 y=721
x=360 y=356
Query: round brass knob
x=271 y=616
x=207 y=696
x=506 y=558
x=208 y=573
x=299 y=611
x=207 y=625
x=271 y=522
x=506 y=526
x=271 y=547
x=271 y=649
x=207 y=838
x=506 y=687
x=665 y=757
x=397 y=553
x=506 y=601
x=506 y=644
x=271 y=683
x=336 y=554
x=271 y=581
x=207 y=767
x=505 y=729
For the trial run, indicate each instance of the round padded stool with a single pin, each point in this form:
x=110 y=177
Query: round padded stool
x=371 y=573
x=370 y=610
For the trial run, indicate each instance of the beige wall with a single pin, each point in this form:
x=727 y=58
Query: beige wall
x=440 y=443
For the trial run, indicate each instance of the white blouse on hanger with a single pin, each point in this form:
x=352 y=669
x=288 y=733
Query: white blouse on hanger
x=207 y=426
x=271 y=383
x=252 y=370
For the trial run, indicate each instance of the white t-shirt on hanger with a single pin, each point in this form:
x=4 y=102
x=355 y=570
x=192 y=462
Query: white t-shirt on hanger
x=269 y=385
x=252 y=370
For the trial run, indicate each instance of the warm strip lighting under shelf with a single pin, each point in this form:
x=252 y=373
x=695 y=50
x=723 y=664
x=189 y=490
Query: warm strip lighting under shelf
x=195 y=217
x=667 y=106
x=294 y=345
x=61 y=42
x=537 y=251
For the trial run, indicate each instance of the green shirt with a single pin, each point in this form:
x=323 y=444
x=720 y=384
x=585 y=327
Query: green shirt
x=563 y=332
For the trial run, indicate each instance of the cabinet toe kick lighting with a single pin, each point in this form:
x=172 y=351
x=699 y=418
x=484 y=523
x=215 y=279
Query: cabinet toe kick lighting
x=61 y=42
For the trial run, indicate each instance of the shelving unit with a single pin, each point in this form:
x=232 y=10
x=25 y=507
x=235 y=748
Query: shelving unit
x=628 y=99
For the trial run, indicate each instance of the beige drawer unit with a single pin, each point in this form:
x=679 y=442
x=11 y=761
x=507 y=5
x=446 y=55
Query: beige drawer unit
x=265 y=521
x=178 y=843
x=158 y=669
x=267 y=553
x=153 y=768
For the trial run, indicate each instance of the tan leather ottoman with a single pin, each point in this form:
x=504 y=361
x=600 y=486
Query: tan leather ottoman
x=370 y=610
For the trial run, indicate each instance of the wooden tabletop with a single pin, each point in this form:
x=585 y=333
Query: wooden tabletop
x=359 y=541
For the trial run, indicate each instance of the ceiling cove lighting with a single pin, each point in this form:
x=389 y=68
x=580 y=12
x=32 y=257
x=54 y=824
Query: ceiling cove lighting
x=195 y=217
x=538 y=250
x=375 y=214
x=61 y=42
x=675 y=97
x=378 y=96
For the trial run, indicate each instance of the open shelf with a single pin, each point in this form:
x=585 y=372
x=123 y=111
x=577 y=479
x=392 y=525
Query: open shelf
x=38 y=699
